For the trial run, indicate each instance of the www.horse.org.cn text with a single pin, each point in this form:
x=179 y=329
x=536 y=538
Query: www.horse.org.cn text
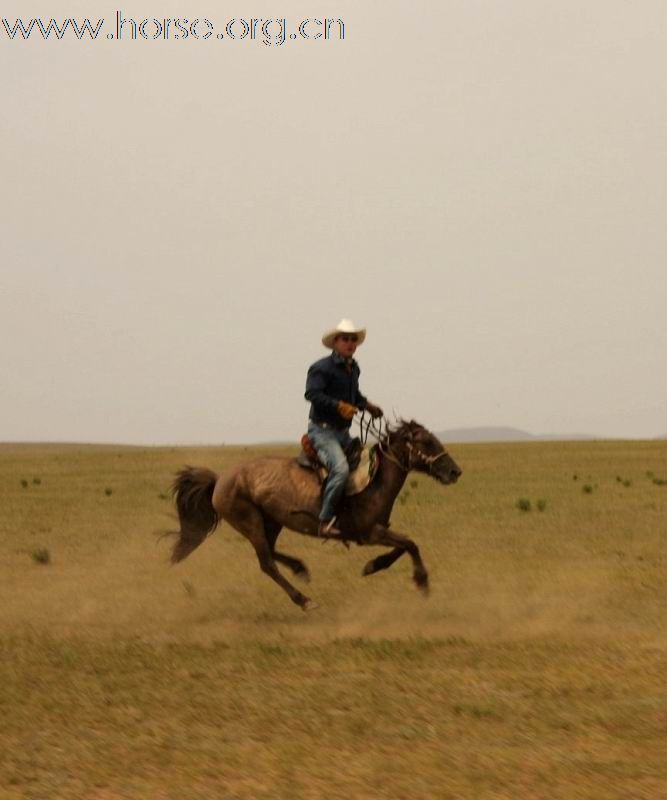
x=271 y=32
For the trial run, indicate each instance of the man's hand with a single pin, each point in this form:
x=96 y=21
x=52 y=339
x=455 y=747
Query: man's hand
x=373 y=410
x=346 y=410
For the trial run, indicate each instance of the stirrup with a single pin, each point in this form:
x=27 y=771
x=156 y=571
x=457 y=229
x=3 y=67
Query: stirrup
x=327 y=529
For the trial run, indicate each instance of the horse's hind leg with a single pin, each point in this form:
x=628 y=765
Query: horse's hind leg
x=297 y=566
x=248 y=520
x=401 y=544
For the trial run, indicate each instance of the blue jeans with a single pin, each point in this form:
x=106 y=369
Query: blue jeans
x=329 y=443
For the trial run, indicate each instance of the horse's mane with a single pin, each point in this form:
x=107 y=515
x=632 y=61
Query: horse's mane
x=402 y=429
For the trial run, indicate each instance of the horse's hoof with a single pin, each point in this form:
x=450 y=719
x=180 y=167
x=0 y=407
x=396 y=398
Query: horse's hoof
x=421 y=582
x=309 y=605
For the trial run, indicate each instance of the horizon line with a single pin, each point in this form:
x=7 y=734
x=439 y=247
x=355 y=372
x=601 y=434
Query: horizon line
x=534 y=439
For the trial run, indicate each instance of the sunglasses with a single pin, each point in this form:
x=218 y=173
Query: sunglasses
x=348 y=337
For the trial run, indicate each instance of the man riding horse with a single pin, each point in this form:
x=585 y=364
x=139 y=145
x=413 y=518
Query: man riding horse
x=332 y=388
x=261 y=496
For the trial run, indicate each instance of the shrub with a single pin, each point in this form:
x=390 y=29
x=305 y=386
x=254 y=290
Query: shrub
x=108 y=492
x=24 y=483
x=627 y=483
x=587 y=488
x=476 y=711
x=41 y=556
x=523 y=504
x=36 y=481
x=541 y=504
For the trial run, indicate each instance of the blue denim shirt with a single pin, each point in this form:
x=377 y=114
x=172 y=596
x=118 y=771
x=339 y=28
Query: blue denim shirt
x=329 y=381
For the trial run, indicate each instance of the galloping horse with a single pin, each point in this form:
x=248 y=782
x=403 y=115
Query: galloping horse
x=262 y=496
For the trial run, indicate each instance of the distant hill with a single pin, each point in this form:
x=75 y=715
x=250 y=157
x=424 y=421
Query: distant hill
x=500 y=434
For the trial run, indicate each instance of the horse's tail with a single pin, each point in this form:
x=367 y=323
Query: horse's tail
x=193 y=493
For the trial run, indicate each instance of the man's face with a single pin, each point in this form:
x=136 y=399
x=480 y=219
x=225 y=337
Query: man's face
x=345 y=344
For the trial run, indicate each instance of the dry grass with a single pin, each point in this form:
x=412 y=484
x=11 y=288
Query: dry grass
x=535 y=669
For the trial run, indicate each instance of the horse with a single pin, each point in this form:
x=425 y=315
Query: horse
x=262 y=496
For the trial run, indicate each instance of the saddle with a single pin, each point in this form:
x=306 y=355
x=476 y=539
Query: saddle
x=363 y=462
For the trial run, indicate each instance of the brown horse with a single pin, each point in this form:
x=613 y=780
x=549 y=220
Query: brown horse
x=261 y=497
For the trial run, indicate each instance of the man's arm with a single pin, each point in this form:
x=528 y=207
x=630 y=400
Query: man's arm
x=316 y=384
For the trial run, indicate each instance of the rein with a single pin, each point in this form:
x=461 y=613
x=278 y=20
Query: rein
x=370 y=427
x=389 y=455
x=375 y=430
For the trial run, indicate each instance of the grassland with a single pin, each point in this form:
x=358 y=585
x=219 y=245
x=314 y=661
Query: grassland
x=536 y=670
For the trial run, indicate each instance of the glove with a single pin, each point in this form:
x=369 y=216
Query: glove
x=373 y=410
x=346 y=410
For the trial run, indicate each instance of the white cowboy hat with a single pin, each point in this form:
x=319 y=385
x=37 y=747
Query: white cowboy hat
x=344 y=326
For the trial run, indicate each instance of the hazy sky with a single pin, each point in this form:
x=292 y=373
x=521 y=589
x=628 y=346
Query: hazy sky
x=482 y=184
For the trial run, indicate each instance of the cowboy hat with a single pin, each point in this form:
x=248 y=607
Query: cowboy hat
x=344 y=326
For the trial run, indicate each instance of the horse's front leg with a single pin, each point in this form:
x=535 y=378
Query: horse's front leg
x=400 y=543
x=384 y=561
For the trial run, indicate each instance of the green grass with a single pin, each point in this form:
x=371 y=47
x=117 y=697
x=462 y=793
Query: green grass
x=536 y=669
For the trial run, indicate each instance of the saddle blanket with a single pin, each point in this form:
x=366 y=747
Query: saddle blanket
x=359 y=478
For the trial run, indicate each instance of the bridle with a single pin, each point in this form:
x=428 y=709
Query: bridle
x=415 y=456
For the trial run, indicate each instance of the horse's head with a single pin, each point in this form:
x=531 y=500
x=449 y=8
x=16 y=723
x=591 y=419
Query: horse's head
x=416 y=448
